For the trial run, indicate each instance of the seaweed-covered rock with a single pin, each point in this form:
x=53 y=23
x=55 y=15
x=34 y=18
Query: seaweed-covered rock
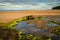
x=8 y=34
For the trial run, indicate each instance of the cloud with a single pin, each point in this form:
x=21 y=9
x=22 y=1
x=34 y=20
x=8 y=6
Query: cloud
x=28 y=1
x=28 y=4
x=41 y=6
x=5 y=3
x=9 y=5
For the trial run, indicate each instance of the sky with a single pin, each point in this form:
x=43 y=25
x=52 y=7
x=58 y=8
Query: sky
x=28 y=4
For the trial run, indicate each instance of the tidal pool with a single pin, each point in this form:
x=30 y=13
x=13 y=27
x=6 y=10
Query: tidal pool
x=30 y=28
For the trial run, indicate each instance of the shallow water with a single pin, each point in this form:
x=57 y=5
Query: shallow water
x=50 y=25
x=30 y=28
x=23 y=25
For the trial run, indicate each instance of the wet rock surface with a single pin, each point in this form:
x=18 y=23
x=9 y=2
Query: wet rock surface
x=8 y=34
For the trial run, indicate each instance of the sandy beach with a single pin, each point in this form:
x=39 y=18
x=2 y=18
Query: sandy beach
x=7 y=16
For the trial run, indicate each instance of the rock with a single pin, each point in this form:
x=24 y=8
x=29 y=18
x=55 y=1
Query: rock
x=8 y=34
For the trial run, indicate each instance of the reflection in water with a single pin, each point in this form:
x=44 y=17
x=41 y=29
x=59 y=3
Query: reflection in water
x=30 y=28
x=26 y=27
x=50 y=25
x=23 y=24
